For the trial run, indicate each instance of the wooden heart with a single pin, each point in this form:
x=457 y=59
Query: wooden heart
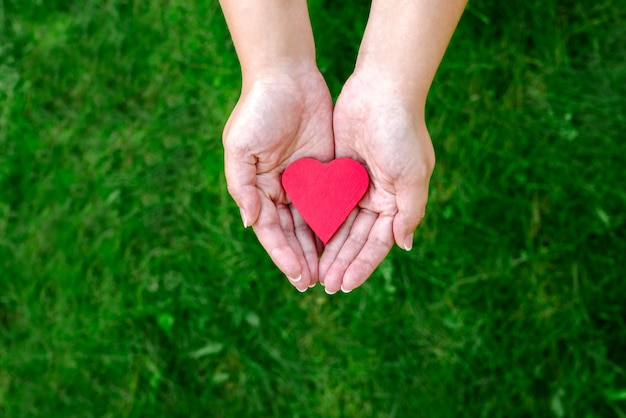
x=325 y=194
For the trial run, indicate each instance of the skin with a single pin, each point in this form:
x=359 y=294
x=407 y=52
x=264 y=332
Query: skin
x=379 y=120
x=285 y=113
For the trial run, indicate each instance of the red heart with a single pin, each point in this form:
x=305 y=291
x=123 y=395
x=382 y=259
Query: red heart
x=325 y=194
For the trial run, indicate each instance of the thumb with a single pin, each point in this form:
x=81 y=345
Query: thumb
x=411 y=201
x=241 y=182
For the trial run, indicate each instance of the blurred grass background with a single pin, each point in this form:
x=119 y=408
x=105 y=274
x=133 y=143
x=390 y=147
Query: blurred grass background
x=128 y=287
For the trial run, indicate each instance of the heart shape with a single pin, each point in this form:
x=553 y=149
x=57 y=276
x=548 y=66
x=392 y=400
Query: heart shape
x=325 y=194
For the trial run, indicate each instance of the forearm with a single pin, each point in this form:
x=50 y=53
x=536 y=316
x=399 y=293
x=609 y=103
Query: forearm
x=270 y=35
x=405 y=41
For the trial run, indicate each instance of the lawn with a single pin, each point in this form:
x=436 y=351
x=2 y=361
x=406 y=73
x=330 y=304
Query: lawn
x=129 y=288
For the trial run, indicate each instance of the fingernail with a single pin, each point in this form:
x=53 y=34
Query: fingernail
x=408 y=242
x=329 y=293
x=344 y=290
x=243 y=217
x=302 y=290
x=311 y=286
x=296 y=280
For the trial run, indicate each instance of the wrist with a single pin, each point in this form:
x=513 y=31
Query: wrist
x=291 y=67
x=270 y=36
x=385 y=81
x=405 y=40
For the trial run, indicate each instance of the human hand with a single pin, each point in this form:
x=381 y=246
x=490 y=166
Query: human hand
x=374 y=124
x=281 y=116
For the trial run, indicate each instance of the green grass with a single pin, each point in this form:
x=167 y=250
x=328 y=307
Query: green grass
x=128 y=286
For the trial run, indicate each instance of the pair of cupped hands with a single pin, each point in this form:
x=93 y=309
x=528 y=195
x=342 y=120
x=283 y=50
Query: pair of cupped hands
x=287 y=114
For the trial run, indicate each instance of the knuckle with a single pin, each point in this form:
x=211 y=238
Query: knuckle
x=233 y=191
x=362 y=269
x=424 y=171
x=356 y=240
x=301 y=227
x=288 y=228
x=234 y=146
x=285 y=220
x=268 y=224
x=419 y=217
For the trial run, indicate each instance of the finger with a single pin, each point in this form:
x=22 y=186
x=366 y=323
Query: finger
x=288 y=227
x=272 y=237
x=379 y=242
x=411 y=201
x=319 y=245
x=306 y=239
x=333 y=246
x=241 y=178
x=352 y=247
